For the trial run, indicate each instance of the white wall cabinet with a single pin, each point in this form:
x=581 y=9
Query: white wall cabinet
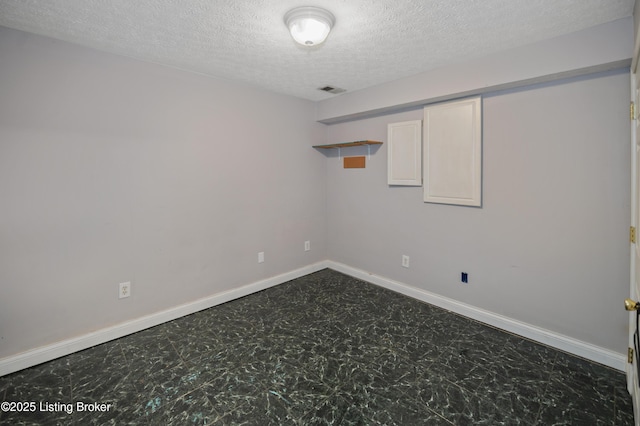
x=453 y=152
x=404 y=153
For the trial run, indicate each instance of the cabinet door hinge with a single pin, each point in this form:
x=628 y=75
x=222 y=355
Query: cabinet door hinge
x=632 y=111
x=632 y=234
x=630 y=355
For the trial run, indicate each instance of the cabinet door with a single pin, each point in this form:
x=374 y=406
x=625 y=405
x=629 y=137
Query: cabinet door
x=453 y=152
x=404 y=153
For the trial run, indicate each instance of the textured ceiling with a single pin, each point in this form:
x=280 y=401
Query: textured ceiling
x=373 y=41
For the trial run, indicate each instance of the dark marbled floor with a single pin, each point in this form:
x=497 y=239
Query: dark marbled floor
x=323 y=349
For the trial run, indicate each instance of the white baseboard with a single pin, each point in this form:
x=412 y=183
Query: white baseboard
x=550 y=338
x=49 y=352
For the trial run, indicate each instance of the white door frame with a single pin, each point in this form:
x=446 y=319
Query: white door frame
x=632 y=379
x=634 y=251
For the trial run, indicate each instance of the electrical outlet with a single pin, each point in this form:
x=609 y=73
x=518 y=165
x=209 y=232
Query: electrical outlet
x=464 y=277
x=307 y=245
x=405 y=261
x=124 y=290
x=261 y=257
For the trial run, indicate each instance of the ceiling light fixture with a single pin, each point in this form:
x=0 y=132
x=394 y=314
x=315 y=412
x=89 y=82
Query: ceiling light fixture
x=309 y=25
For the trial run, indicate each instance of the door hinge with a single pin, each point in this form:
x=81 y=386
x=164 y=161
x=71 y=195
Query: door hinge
x=632 y=234
x=632 y=111
x=630 y=355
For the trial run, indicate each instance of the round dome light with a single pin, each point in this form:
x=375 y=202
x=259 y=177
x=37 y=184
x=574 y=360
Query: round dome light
x=309 y=25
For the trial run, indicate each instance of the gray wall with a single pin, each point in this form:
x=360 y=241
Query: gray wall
x=549 y=247
x=596 y=49
x=115 y=170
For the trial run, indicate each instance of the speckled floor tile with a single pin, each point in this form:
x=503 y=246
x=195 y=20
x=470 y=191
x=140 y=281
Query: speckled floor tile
x=622 y=403
x=294 y=389
x=516 y=400
x=574 y=399
x=455 y=366
x=236 y=388
x=191 y=409
x=266 y=409
x=47 y=387
x=443 y=397
x=193 y=336
x=324 y=349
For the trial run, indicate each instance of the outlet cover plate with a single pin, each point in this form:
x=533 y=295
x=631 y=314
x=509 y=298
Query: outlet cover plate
x=124 y=290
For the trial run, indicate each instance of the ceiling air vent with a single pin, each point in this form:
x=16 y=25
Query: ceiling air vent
x=331 y=89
